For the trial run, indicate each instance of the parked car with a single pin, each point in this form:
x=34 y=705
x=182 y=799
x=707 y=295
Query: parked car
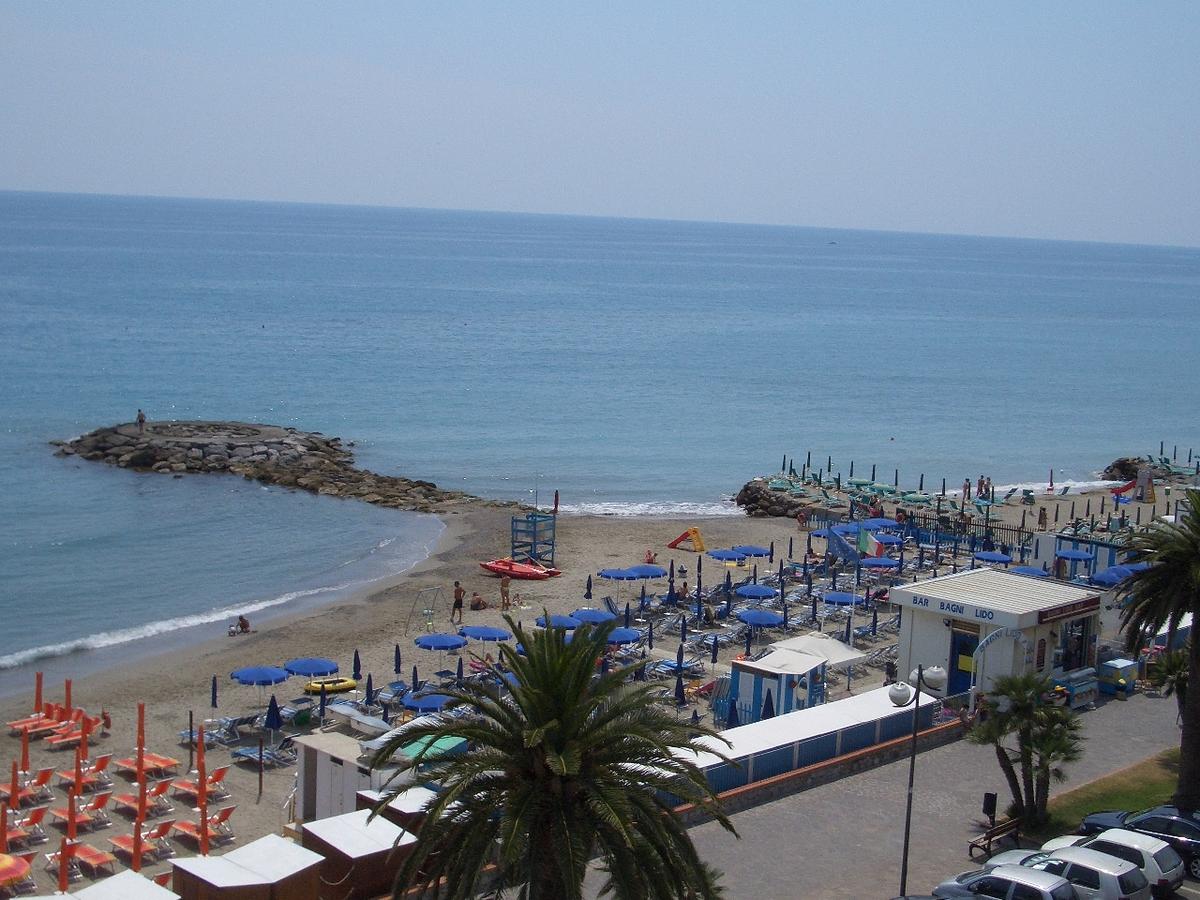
x=1178 y=828
x=1157 y=859
x=1015 y=858
x=1007 y=883
x=1096 y=876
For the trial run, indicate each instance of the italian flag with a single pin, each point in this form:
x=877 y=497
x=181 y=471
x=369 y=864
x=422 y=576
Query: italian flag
x=867 y=545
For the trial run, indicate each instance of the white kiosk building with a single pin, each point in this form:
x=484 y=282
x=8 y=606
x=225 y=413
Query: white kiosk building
x=982 y=623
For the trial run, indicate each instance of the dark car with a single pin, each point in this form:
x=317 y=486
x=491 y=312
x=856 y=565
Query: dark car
x=1178 y=828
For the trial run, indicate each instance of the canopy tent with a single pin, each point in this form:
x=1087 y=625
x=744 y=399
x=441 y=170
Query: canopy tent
x=829 y=649
x=783 y=662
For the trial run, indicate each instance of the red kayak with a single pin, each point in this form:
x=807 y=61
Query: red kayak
x=514 y=569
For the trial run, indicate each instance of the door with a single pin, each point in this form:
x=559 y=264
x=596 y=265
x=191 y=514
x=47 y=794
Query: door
x=963 y=641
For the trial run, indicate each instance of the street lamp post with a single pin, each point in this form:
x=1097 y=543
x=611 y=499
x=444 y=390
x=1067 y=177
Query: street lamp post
x=901 y=694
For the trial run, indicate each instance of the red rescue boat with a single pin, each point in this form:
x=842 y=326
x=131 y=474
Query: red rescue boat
x=529 y=571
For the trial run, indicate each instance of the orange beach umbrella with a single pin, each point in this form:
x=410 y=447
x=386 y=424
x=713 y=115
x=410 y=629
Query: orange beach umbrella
x=3 y=828
x=85 y=726
x=24 y=750
x=12 y=868
x=14 y=789
x=139 y=821
x=67 y=696
x=72 y=826
x=202 y=794
x=78 y=770
x=37 y=692
x=64 y=866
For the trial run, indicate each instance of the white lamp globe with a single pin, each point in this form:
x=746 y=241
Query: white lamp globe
x=900 y=693
x=933 y=677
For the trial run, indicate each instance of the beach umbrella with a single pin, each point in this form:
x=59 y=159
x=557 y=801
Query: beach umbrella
x=3 y=834
x=749 y=640
x=754 y=577
x=311 y=666
x=642 y=596
x=755 y=592
x=889 y=540
x=485 y=633
x=24 y=749
x=879 y=562
x=699 y=565
x=587 y=593
x=628 y=616
x=604 y=664
x=259 y=676
x=849 y=635
x=624 y=636
x=202 y=791
x=568 y=623
x=752 y=550
x=214 y=692
x=648 y=570
x=369 y=691
x=993 y=556
x=814 y=605
x=458 y=674
x=683 y=628
x=1111 y=576
x=875 y=620
x=768 y=710
x=1031 y=571
x=64 y=865
x=790 y=546
x=274 y=720
x=396 y=661
x=650 y=636
x=724 y=556
x=72 y=813
x=415 y=684
x=782 y=583
x=440 y=641
x=771 y=555
x=37 y=691
x=67 y=696
x=728 y=582
x=728 y=605
x=592 y=616
x=877 y=522
x=425 y=703
x=85 y=729
x=14 y=788
x=618 y=575
x=321 y=706
x=356 y=674
x=731 y=719
x=679 y=656
x=714 y=650
x=841 y=598
x=760 y=618
x=846 y=529
x=680 y=696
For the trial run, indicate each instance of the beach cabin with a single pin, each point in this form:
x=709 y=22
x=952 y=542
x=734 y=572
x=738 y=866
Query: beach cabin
x=983 y=623
x=791 y=675
x=372 y=848
x=125 y=885
x=270 y=868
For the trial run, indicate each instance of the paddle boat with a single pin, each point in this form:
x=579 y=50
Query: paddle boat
x=529 y=571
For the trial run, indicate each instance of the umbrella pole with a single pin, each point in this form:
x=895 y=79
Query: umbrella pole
x=191 y=742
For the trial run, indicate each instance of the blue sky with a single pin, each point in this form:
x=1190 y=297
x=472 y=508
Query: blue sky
x=1066 y=120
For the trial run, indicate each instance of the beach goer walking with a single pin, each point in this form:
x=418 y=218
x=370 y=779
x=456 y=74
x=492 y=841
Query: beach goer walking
x=1042 y=518
x=505 y=581
x=457 y=609
x=966 y=489
x=141 y=421
x=980 y=488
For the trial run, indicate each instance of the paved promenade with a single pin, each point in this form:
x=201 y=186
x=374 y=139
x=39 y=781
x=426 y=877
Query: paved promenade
x=844 y=840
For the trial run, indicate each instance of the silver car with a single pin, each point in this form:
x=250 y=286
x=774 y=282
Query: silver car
x=1007 y=883
x=1158 y=861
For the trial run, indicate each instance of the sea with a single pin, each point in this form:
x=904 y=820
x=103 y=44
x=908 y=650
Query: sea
x=636 y=367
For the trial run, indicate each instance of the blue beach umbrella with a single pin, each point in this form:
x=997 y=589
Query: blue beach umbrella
x=369 y=692
x=785 y=615
x=846 y=529
x=618 y=575
x=624 y=636
x=889 y=540
x=841 y=598
x=683 y=628
x=993 y=556
x=1112 y=576
x=214 y=692
x=724 y=556
x=1031 y=571
x=259 y=675
x=650 y=637
x=752 y=550
x=714 y=650
x=425 y=703
x=592 y=616
x=274 y=720
x=728 y=582
x=879 y=562
x=1076 y=555
x=628 y=616
x=396 y=661
x=311 y=666
x=648 y=570
x=1136 y=567
x=484 y=633
x=642 y=596
x=357 y=672
x=790 y=547
x=749 y=641
x=440 y=641
x=587 y=594
x=771 y=555
x=680 y=696
x=458 y=674
x=321 y=704
x=877 y=523
x=415 y=684
x=756 y=592
x=568 y=623
x=760 y=618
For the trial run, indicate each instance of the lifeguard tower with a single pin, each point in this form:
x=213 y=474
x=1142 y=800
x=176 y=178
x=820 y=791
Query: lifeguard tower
x=533 y=538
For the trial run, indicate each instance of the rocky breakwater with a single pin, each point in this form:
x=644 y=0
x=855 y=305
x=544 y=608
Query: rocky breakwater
x=759 y=501
x=304 y=460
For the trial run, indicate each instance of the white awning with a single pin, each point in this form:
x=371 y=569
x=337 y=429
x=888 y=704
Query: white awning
x=354 y=836
x=126 y=885
x=827 y=648
x=781 y=662
x=274 y=857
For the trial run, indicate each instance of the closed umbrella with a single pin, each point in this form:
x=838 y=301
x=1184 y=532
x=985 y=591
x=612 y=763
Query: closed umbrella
x=683 y=628
x=731 y=720
x=3 y=835
x=274 y=720
x=202 y=791
x=321 y=706
x=458 y=674
x=64 y=865
x=214 y=692
x=396 y=660
x=587 y=594
x=650 y=636
x=680 y=697
x=24 y=749
x=356 y=674
x=714 y=650
x=628 y=617
x=728 y=582
x=785 y=615
x=749 y=639
x=369 y=693
x=14 y=788
x=72 y=825
x=415 y=684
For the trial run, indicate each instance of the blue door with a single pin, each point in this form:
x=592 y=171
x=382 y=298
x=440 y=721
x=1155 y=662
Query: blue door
x=962 y=661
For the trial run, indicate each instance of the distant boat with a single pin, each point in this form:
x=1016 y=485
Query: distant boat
x=529 y=571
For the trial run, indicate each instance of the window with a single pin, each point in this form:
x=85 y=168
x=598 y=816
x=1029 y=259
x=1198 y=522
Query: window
x=991 y=886
x=1063 y=892
x=1157 y=824
x=1120 y=851
x=1041 y=654
x=1180 y=828
x=1054 y=867
x=1132 y=882
x=1167 y=859
x=1025 y=892
x=1084 y=877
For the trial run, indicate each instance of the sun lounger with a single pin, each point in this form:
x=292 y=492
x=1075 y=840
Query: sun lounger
x=156 y=799
x=154 y=842
x=88 y=815
x=94 y=775
x=282 y=754
x=218 y=827
x=32 y=825
x=74 y=873
x=27 y=884
x=152 y=762
x=94 y=860
x=214 y=785
x=831 y=501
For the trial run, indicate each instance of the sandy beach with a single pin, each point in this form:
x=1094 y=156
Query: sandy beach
x=171 y=685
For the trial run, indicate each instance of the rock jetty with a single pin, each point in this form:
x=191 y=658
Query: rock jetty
x=304 y=460
x=759 y=501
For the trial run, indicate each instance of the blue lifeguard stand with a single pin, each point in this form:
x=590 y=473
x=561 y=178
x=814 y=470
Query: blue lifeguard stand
x=533 y=537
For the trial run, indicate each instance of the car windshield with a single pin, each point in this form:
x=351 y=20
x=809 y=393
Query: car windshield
x=1132 y=882
x=967 y=876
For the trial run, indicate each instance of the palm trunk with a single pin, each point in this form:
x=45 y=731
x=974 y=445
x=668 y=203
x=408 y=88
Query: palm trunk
x=1187 y=791
x=1043 y=794
x=1010 y=775
x=1025 y=742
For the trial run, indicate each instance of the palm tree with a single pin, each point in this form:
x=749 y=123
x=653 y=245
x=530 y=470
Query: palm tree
x=572 y=766
x=1171 y=676
x=1045 y=735
x=1158 y=597
x=1056 y=740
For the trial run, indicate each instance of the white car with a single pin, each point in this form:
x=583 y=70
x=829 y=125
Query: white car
x=1007 y=883
x=1096 y=876
x=1158 y=861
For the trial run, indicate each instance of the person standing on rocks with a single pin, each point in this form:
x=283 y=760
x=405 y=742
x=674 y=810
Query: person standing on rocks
x=459 y=595
x=141 y=421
